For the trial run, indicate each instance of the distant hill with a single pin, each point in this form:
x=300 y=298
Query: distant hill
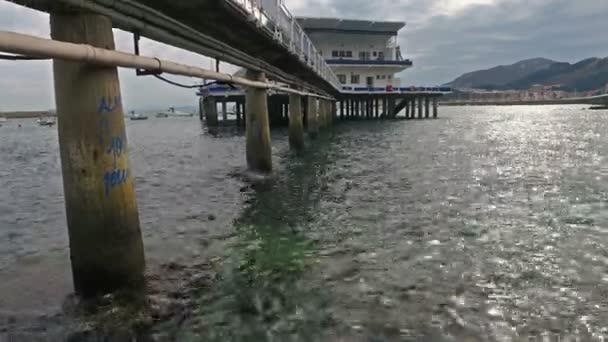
x=501 y=75
x=587 y=75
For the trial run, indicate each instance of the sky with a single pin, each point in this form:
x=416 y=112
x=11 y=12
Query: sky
x=444 y=38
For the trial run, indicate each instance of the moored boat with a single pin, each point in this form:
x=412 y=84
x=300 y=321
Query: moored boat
x=137 y=117
x=46 y=122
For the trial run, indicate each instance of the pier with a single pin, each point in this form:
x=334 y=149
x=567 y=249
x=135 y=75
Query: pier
x=286 y=79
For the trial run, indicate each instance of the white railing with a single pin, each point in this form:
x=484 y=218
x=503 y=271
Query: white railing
x=274 y=16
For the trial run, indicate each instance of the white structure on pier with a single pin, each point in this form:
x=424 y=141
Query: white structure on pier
x=363 y=54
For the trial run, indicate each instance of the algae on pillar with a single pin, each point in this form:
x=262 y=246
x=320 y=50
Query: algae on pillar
x=435 y=105
x=296 y=125
x=259 y=150
x=106 y=248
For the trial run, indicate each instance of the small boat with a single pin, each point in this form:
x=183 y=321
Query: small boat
x=46 y=122
x=137 y=117
x=599 y=107
x=173 y=112
x=3 y=120
x=162 y=115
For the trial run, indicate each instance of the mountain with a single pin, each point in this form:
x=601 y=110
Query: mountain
x=587 y=75
x=501 y=75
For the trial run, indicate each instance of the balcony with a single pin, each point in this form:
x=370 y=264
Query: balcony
x=340 y=61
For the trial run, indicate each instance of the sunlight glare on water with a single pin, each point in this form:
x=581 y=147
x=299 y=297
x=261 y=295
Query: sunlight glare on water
x=488 y=224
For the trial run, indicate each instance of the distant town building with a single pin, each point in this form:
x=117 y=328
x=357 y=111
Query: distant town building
x=361 y=53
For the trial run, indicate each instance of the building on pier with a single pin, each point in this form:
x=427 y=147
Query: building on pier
x=366 y=58
x=363 y=54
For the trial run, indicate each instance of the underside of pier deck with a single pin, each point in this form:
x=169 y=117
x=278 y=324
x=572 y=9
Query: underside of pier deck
x=202 y=26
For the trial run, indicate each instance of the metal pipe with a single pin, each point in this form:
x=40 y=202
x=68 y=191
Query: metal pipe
x=23 y=44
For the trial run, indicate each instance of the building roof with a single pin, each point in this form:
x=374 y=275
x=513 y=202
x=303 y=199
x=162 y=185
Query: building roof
x=337 y=24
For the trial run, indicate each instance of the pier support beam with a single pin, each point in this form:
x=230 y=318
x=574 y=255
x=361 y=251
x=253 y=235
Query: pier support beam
x=106 y=247
x=259 y=150
x=407 y=109
x=296 y=125
x=377 y=107
x=427 y=105
x=224 y=111
x=391 y=108
x=238 y=114
x=311 y=117
x=348 y=107
x=420 y=108
x=342 y=109
x=210 y=109
x=320 y=114
x=435 y=109
x=384 y=107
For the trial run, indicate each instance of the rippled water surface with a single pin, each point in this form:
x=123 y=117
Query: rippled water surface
x=488 y=224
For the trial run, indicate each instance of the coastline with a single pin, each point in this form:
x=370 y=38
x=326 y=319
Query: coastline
x=26 y=114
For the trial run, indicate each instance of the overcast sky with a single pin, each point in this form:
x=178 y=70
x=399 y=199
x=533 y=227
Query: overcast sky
x=445 y=38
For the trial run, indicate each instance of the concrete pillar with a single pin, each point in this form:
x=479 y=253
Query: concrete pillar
x=106 y=248
x=311 y=116
x=347 y=100
x=224 y=111
x=377 y=104
x=259 y=150
x=238 y=114
x=420 y=106
x=407 y=109
x=435 y=109
x=342 y=109
x=201 y=109
x=327 y=113
x=210 y=108
x=296 y=125
x=384 y=106
x=391 y=108
x=427 y=103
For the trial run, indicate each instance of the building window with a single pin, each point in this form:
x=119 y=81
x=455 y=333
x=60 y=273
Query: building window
x=381 y=55
x=377 y=77
x=342 y=79
x=383 y=77
x=342 y=53
x=364 y=55
x=390 y=77
x=349 y=54
x=334 y=53
x=375 y=54
x=354 y=79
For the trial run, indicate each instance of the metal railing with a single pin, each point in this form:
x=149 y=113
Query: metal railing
x=272 y=15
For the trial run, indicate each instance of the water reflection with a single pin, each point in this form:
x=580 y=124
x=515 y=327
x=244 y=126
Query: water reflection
x=265 y=293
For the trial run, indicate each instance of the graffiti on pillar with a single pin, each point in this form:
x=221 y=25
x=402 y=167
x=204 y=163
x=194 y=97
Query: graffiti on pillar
x=115 y=145
x=108 y=104
x=115 y=178
x=117 y=148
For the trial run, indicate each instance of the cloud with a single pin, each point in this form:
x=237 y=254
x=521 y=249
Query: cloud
x=445 y=38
